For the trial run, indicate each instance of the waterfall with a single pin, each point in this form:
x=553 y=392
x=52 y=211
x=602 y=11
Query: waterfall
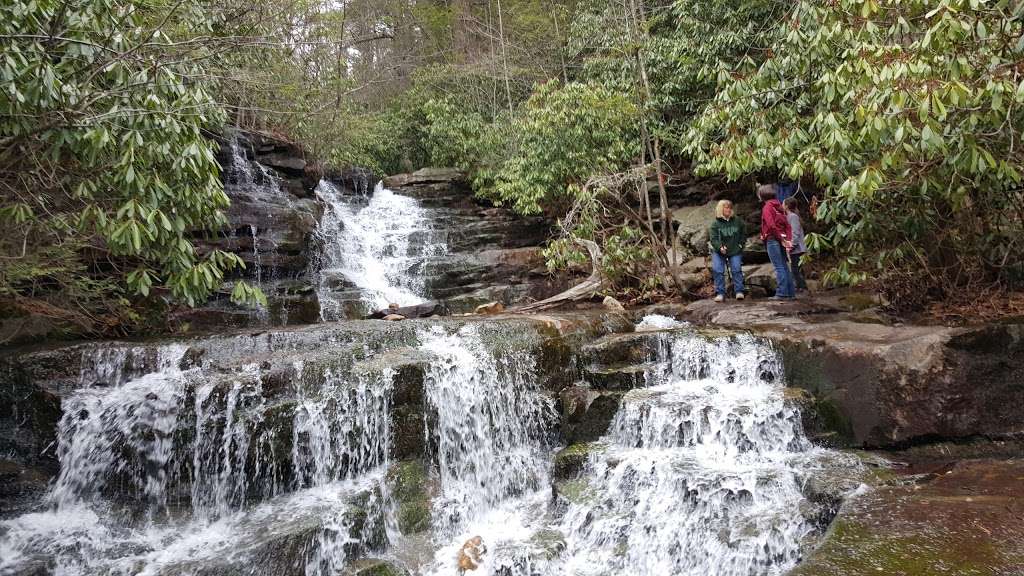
x=380 y=248
x=272 y=456
x=490 y=426
x=699 y=474
x=180 y=470
x=700 y=471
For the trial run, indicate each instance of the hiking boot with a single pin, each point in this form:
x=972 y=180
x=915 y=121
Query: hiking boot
x=719 y=298
x=740 y=296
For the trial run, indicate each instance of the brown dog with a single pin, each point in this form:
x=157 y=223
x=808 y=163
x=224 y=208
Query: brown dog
x=471 y=554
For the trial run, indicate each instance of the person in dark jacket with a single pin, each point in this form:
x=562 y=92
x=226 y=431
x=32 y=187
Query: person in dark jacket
x=799 y=244
x=778 y=240
x=727 y=238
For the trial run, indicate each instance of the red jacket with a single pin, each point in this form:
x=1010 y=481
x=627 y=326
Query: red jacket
x=774 y=224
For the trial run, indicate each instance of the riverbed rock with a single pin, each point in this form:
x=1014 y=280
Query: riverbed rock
x=964 y=521
x=408 y=482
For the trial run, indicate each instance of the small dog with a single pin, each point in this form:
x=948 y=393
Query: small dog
x=471 y=554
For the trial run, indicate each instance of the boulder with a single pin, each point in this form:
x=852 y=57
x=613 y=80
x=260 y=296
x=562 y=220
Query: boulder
x=586 y=413
x=879 y=385
x=963 y=521
x=693 y=223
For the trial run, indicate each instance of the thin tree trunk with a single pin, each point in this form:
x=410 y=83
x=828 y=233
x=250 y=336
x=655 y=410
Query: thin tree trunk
x=504 y=57
x=652 y=140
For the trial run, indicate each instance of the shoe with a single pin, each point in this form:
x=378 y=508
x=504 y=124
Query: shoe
x=719 y=298
x=740 y=296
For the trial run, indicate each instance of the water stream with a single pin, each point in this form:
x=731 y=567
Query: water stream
x=380 y=246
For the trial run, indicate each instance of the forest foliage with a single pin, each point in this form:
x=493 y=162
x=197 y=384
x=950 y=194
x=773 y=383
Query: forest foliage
x=902 y=116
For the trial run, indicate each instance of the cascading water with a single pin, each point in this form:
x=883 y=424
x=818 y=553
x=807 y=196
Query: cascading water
x=178 y=472
x=172 y=466
x=491 y=426
x=700 y=472
x=381 y=248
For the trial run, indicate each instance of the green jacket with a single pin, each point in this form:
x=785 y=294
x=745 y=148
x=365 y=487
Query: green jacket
x=731 y=233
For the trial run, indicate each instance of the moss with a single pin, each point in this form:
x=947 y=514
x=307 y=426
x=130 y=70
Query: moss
x=414 y=517
x=408 y=484
x=569 y=461
x=855 y=549
x=858 y=301
x=575 y=491
x=408 y=481
x=370 y=567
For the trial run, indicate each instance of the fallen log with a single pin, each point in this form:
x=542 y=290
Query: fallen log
x=585 y=290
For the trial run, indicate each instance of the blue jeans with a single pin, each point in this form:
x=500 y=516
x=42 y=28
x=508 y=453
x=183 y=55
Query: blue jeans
x=780 y=261
x=718 y=263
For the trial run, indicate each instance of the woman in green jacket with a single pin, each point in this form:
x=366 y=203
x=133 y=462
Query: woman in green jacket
x=728 y=237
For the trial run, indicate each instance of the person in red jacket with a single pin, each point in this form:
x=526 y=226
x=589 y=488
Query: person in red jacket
x=778 y=240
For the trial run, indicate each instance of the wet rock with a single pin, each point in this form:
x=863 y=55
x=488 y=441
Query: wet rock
x=373 y=567
x=621 y=378
x=21 y=486
x=586 y=413
x=423 y=310
x=549 y=543
x=619 y=349
x=569 y=461
x=965 y=521
x=408 y=484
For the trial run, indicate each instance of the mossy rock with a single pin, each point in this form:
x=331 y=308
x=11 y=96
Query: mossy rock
x=408 y=484
x=621 y=377
x=578 y=491
x=549 y=543
x=414 y=517
x=569 y=461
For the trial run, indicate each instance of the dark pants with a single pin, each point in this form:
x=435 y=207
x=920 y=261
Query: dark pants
x=798 y=274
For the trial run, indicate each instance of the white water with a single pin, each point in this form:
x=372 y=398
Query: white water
x=381 y=248
x=172 y=473
x=181 y=472
x=490 y=426
x=699 y=474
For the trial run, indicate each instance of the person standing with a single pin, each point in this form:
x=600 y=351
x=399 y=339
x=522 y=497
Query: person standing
x=778 y=240
x=727 y=238
x=799 y=244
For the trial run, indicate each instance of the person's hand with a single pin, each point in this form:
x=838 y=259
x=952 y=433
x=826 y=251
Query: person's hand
x=723 y=250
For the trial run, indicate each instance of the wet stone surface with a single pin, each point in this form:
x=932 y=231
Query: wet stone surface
x=964 y=521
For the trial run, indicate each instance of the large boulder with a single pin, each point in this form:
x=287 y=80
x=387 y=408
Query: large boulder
x=692 y=226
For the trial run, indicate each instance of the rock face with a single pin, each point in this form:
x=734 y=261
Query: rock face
x=272 y=216
x=890 y=385
x=493 y=254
